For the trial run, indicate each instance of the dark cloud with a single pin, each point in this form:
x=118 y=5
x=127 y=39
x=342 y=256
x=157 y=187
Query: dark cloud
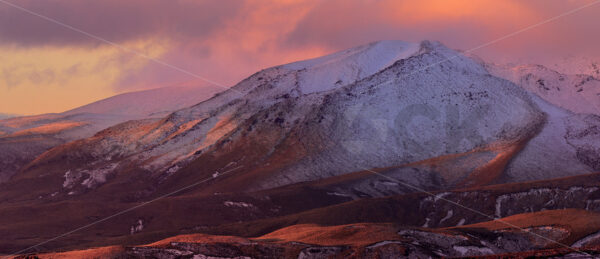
x=113 y=20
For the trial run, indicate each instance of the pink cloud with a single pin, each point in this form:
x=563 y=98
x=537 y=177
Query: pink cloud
x=229 y=40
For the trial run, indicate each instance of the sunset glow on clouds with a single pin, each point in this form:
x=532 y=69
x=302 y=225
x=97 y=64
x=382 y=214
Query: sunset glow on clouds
x=48 y=68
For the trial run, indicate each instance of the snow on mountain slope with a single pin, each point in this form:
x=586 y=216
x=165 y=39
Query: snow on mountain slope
x=566 y=99
x=283 y=133
x=341 y=68
x=552 y=153
x=411 y=112
x=578 y=65
x=181 y=136
x=578 y=93
x=24 y=138
x=107 y=112
x=274 y=143
x=283 y=130
x=154 y=102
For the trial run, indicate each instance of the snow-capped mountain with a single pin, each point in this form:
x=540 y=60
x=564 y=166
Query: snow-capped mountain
x=319 y=133
x=24 y=138
x=571 y=103
x=342 y=113
x=579 y=93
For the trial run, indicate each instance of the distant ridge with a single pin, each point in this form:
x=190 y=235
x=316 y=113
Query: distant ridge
x=6 y=116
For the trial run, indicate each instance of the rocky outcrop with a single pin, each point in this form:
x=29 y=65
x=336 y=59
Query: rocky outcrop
x=475 y=206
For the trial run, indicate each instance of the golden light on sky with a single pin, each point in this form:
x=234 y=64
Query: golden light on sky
x=46 y=67
x=54 y=79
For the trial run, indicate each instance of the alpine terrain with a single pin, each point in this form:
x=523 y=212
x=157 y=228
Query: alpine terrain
x=387 y=150
x=24 y=138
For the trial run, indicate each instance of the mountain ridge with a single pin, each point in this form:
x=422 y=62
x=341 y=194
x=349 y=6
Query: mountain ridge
x=277 y=150
x=24 y=138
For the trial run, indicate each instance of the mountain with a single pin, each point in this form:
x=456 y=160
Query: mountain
x=24 y=138
x=572 y=105
x=157 y=102
x=6 y=116
x=284 y=130
x=577 y=93
x=578 y=65
x=362 y=135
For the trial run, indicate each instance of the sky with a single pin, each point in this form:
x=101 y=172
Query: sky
x=83 y=51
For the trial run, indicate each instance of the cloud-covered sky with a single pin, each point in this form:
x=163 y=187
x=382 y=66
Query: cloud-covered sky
x=46 y=67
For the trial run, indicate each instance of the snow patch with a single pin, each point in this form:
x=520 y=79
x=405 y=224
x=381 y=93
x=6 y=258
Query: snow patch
x=338 y=194
x=473 y=250
x=173 y=169
x=137 y=227
x=70 y=179
x=447 y=217
x=426 y=224
x=97 y=176
x=238 y=204
x=587 y=240
x=93 y=177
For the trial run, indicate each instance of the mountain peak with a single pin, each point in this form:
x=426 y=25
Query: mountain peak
x=343 y=67
x=389 y=50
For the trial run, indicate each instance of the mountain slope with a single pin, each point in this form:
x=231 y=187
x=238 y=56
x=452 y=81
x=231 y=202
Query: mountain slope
x=572 y=105
x=24 y=138
x=290 y=136
x=157 y=102
x=578 y=65
x=546 y=230
x=578 y=93
x=281 y=133
x=291 y=140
